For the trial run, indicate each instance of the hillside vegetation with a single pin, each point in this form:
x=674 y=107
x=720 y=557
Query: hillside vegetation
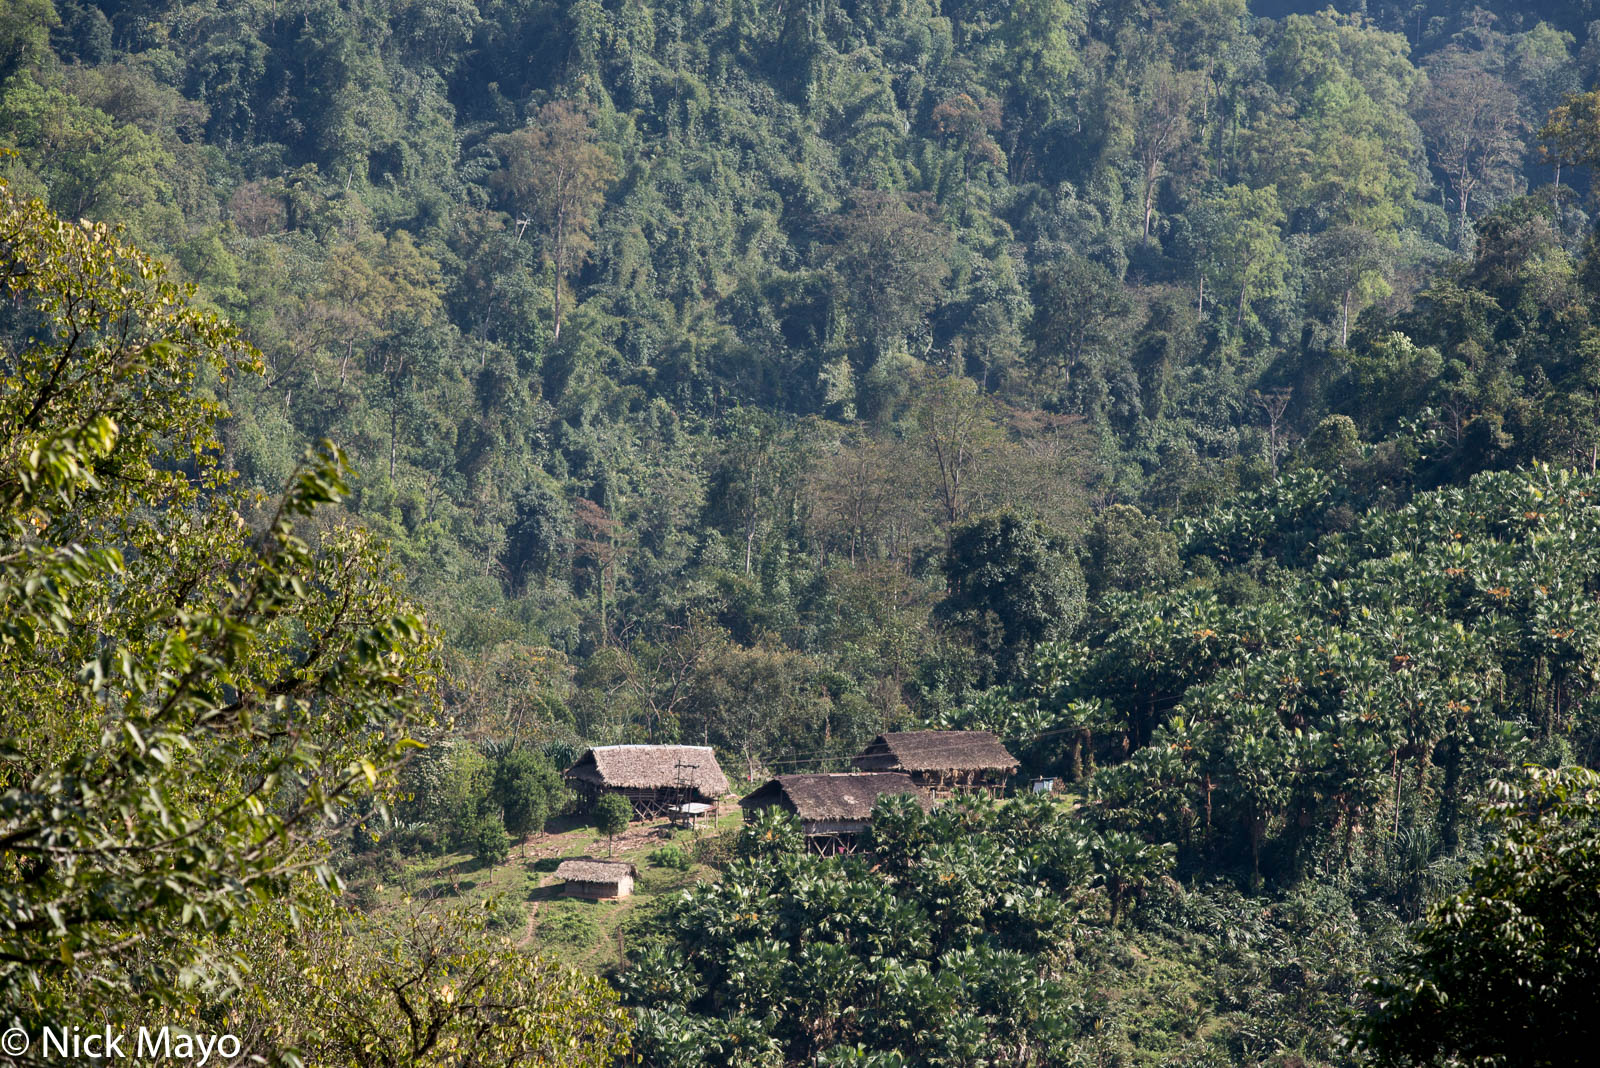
x=1202 y=395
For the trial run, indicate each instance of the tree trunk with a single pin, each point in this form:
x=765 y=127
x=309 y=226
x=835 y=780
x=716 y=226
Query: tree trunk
x=1149 y=201
x=559 y=262
x=394 y=425
x=1396 y=763
x=750 y=520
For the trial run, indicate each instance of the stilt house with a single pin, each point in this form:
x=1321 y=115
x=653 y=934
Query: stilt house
x=944 y=763
x=833 y=809
x=654 y=778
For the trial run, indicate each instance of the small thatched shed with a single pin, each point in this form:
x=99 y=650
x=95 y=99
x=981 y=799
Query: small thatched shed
x=654 y=778
x=943 y=762
x=832 y=808
x=597 y=878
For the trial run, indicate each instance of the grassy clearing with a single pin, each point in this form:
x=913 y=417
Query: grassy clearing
x=592 y=935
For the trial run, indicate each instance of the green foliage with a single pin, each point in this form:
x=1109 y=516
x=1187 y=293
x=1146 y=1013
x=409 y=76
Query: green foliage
x=1500 y=972
x=1012 y=586
x=506 y=914
x=189 y=698
x=485 y=836
x=682 y=343
x=437 y=988
x=91 y=165
x=651 y=320
x=953 y=939
x=528 y=790
x=1304 y=725
x=554 y=173
x=670 y=856
x=1240 y=229
x=465 y=791
x=25 y=35
x=770 y=831
x=1128 y=551
x=612 y=812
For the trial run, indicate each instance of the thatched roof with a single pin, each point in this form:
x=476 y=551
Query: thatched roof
x=936 y=751
x=652 y=767
x=845 y=796
x=584 y=870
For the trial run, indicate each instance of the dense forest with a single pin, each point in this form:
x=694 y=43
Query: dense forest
x=1202 y=395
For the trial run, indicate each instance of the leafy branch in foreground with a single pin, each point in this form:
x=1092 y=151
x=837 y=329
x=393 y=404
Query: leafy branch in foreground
x=427 y=987
x=185 y=701
x=1504 y=972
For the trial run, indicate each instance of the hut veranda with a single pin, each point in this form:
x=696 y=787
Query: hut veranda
x=944 y=763
x=833 y=808
x=656 y=779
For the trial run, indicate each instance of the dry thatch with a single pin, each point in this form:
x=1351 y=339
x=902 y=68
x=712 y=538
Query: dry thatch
x=652 y=767
x=918 y=751
x=595 y=871
x=834 y=796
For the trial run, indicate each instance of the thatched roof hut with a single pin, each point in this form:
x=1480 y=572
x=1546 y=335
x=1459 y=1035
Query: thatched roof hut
x=833 y=798
x=942 y=760
x=651 y=776
x=597 y=878
x=936 y=751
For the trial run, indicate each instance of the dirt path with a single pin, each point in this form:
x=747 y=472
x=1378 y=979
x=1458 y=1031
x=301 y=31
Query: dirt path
x=533 y=917
x=607 y=946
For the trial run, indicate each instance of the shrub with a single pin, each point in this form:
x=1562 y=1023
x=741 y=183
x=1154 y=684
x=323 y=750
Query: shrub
x=506 y=914
x=716 y=850
x=670 y=856
x=611 y=815
x=486 y=837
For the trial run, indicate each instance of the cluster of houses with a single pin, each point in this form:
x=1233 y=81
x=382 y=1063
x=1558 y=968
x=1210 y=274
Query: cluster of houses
x=682 y=782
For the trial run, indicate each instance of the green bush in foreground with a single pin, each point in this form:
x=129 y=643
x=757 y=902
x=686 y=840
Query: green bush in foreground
x=1505 y=971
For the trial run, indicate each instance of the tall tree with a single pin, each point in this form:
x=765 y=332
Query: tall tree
x=600 y=541
x=890 y=254
x=1473 y=127
x=557 y=175
x=1243 y=252
x=1571 y=133
x=960 y=438
x=1163 y=127
x=1013 y=585
x=1078 y=307
x=1348 y=270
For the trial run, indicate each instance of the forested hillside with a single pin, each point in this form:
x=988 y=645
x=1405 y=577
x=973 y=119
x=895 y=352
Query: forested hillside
x=673 y=342
x=1203 y=395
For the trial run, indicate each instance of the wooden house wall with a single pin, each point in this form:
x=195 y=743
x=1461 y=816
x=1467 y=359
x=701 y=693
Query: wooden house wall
x=596 y=891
